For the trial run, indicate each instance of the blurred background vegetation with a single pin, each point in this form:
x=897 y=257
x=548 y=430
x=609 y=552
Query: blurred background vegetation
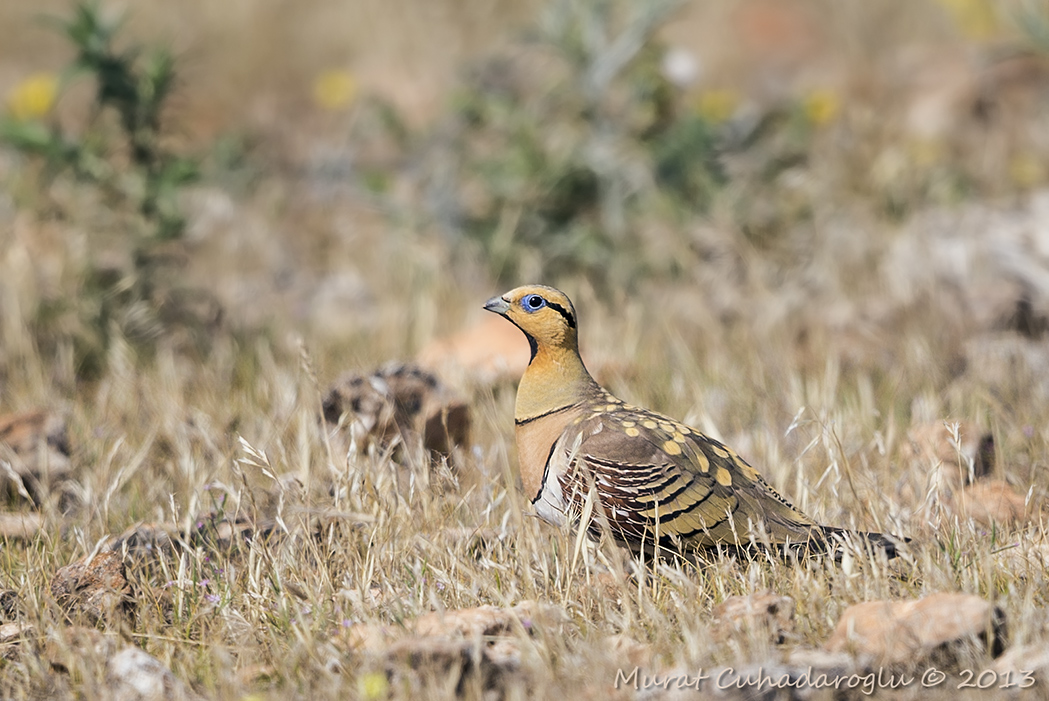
x=364 y=172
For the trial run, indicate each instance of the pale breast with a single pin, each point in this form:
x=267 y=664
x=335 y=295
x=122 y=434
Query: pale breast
x=535 y=440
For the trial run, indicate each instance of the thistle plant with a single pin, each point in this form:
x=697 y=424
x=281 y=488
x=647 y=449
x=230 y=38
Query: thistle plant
x=118 y=155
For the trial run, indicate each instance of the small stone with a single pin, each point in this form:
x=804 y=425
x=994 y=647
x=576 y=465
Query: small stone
x=9 y=603
x=471 y=623
x=932 y=445
x=494 y=664
x=950 y=468
x=94 y=587
x=468 y=623
x=1024 y=660
x=134 y=675
x=399 y=400
x=36 y=445
x=943 y=627
x=630 y=652
x=73 y=647
x=479 y=643
x=992 y=502
x=765 y=614
x=145 y=539
x=488 y=352
x=11 y=637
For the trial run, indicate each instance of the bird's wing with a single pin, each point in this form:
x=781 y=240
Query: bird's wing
x=654 y=475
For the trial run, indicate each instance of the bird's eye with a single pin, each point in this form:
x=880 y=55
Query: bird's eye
x=533 y=303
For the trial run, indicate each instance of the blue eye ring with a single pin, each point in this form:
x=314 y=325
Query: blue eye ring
x=532 y=303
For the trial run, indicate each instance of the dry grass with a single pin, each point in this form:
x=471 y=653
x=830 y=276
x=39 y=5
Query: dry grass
x=813 y=362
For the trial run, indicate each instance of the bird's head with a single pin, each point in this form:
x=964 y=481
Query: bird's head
x=545 y=315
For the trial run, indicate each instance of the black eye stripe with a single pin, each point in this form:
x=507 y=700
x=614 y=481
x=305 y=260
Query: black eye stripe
x=563 y=312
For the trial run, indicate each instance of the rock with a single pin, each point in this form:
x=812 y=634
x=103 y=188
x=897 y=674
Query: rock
x=145 y=539
x=212 y=530
x=487 y=352
x=944 y=628
x=254 y=674
x=20 y=526
x=494 y=665
x=9 y=604
x=935 y=448
x=36 y=445
x=94 y=587
x=479 y=644
x=71 y=648
x=134 y=675
x=628 y=651
x=1020 y=661
x=399 y=400
x=764 y=614
x=991 y=502
x=476 y=622
x=949 y=465
x=11 y=637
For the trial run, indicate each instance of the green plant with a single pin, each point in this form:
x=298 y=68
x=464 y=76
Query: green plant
x=552 y=169
x=118 y=153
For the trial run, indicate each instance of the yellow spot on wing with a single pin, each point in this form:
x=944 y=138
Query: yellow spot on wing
x=628 y=424
x=719 y=451
x=651 y=424
x=704 y=464
x=669 y=428
x=632 y=432
x=679 y=438
x=723 y=477
x=671 y=448
x=610 y=407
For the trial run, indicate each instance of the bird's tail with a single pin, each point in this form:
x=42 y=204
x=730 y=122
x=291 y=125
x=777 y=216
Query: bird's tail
x=834 y=540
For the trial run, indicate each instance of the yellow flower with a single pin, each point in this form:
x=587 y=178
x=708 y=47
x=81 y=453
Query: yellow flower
x=821 y=106
x=717 y=105
x=372 y=686
x=1025 y=170
x=334 y=89
x=976 y=19
x=33 y=97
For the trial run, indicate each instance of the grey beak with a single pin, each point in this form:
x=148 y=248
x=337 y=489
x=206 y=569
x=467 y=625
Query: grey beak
x=497 y=305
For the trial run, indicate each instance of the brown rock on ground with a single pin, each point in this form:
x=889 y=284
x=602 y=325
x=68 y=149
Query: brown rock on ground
x=629 y=651
x=94 y=587
x=460 y=662
x=11 y=637
x=134 y=675
x=764 y=613
x=9 y=604
x=950 y=487
x=992 y=502
x=476 y=644
x=1020 y=661
x=36 y=445
x=399 y=400
x=476 y=622
x=490 y=351
x=69 y=649
x=940 y=627
x=931 y=446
